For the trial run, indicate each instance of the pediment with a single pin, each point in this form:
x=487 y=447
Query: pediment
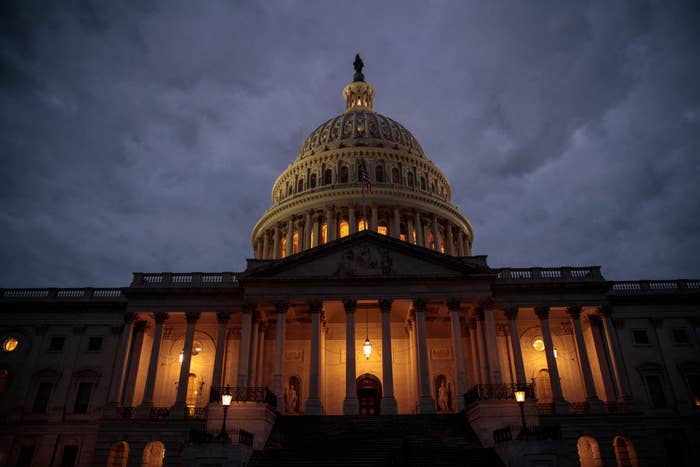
x=366 y=255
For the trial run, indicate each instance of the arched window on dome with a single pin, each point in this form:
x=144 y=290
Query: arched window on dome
x=403 y=232
x=432 y=187
x=382 y=228
x=431 y=240
x=312 y=181
x=324 y=234
x=300 y=185
x=328 y=177
x=344 y=229
x=361 y=225
x=379 y=174
x=422 y=183
x=289 y=189
x=409 y=179
x=395 y=175
x=295 y=243
x=344 y=174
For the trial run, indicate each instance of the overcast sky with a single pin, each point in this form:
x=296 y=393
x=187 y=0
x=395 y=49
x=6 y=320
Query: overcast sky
x=145 y=136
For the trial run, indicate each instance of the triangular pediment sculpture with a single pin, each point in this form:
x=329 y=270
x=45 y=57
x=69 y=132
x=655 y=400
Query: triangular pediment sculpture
x=364 y=255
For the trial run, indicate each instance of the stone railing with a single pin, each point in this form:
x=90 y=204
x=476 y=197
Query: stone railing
x=245 y=394
x=87 y=293
x=588 y=273
x=655 y=287
x=480 y=392
x=188 y=279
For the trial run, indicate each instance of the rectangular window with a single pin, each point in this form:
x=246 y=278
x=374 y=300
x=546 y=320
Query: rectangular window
x=41 y=401
x=82 y=399
x=680 y=336
x=656 y=391
x=640 y=336
x=95 y=344
x=26 y=453
x=56 y=344
x=70 y=455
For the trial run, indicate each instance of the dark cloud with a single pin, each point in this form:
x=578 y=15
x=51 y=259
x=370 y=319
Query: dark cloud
x=145 y=136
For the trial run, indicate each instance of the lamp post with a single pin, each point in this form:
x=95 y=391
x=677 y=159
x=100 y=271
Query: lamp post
x=520 y=398
x=226 y=398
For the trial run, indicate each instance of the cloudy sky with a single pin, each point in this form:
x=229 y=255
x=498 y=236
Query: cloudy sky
x=146 y=135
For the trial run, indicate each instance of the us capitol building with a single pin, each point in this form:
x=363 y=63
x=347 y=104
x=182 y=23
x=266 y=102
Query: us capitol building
x=363 y=332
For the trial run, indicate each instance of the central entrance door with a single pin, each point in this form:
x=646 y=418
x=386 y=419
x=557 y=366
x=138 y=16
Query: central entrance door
x=369 y=394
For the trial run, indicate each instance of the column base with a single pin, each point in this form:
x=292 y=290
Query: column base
x=313 y=407
x=426 y=404
x=562 y=408
x=388 y=406
x=351 y=406
x=595 y=405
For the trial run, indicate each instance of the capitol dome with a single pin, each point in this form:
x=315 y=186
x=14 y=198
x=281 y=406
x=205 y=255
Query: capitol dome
x=321 y=196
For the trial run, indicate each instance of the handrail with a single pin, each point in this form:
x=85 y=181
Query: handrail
x=87 y=293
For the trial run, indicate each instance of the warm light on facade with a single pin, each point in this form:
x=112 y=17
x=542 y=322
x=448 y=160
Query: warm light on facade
x=10 y=344
x=362 y=225
x=344 y=229
x=383 y=230
x=367 y=349
x=520 y=396
x=538 y=344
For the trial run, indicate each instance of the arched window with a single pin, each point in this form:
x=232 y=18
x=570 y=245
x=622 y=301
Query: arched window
x=118 y=454
x=382 y=228
x=624 y=452
x=344 y=229
x=395 y=175
x=344 y=174
x=324 y=234
x=289 y=189
x=312 y=181
x=295 y=243
x=422 y=183
x=153 y=454
x=588 y=452
x=361 y=225
x=543 y=386
x=328 y=177
x=379 y=174
x=409 y=179
x=300 y=185
x=193 y=392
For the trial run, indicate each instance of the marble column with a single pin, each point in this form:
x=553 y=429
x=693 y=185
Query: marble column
x=483 y=350
x=623 y=384
x=222 y=318
x=460 y=243
x=436 y=233
x=351 y=220
x=316 y=231
x=426 y=403
x=307 y=231
x=449 y=238
x=277 y=385
x=276 y=242
x=253 y=358
x=602 y=357
x=123 y=350
x=144 y=410
x=290 y=234
x=420 y=234
x=453 y=306
x=266 y=245
x=260 y=361
x=396 y=228
x=410 y=235
x=244 y=345
x=476 y=360
x=594 y=403
x=350 y=403
x=312 y=406
x=512 y=315
x=560 y=405
x=179 y=409
x=330 y=224
x=495 y=375
x=388 y=404
x=375 y=219
x=412 y=364
x=136 y=350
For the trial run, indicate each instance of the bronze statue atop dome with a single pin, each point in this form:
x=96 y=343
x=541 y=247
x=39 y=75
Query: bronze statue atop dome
x=358 y=64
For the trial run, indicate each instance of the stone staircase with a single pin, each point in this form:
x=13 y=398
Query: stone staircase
x=385 y=440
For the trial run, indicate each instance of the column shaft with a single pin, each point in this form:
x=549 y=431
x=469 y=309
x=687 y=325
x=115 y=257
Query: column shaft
x=396 y=228
x=316 y=232
x=136 y=350
x=420 y=234
x=482 y=349
x=244 y=346
x=476 y=361
x=350 y=403
x=259 y=367
x=388 y=404
x=351 y=219
x=290 y=233
x=512 y=315
x=307 y=232
x=459 y=354
x=560 y=405
x=313 y=403
x=623 y=384
x=330 y=224
x=449 y=238
x=149 y=388
x=460 y=243
x=181 y=399
x=436 y=234
x=253 y=358
x=410 y=227
x=279 y=354
x=266 y=245
x=495 y=375
x=276 y=243
x=589 y=386
x=119 y=373
x=222 y=318
x=426 y=402
x=375 y=219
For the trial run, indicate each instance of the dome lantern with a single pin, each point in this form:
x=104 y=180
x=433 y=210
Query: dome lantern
x=358 y=95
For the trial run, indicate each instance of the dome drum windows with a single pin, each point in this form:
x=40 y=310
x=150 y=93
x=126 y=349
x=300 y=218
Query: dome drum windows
x=327 y=177
x=344 y=174
x=312 y=181
x=395 y=176
x=379 y=173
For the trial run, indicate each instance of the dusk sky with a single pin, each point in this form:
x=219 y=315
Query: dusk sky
x=146 y=135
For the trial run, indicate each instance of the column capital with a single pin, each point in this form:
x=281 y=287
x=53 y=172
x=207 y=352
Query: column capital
x=140 y=325
x=454 y=304
x=419 y=304
x=222 y=317
x=160 y=317
x=350 y=305
x=542 y=312
x=479 y=313
x=385 y=305
x=574 y=312
x=472 y=324
x=315 y=306
x=130 y=317
x=281 y=307
x=511 y=312
x=248 y=307
x=605 y=310
x=595 y=320
x=487 y=303
x=192 y=316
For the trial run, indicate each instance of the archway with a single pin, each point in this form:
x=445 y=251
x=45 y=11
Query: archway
x=543 y=387
x=118 y=454
x=624 y=452
x=588 y=452
x=153 y=454
x=369 y=394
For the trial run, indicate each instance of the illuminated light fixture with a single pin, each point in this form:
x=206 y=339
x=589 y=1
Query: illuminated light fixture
x=367 y=347
x=181 y=356
x=226 y=398
x=520 y=396
x=538 y=344
x=10 y=344
x=555 y=352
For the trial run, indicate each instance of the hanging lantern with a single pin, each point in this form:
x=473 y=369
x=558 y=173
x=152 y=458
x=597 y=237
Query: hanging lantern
x=367 y=348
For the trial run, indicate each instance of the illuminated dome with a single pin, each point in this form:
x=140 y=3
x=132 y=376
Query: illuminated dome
x=318 y=198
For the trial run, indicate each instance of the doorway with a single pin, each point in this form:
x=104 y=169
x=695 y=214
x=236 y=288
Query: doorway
x=369 y=394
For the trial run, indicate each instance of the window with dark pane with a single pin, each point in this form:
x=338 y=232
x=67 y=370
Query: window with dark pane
x=95 y=344
x=41 y=400
x=82 y=399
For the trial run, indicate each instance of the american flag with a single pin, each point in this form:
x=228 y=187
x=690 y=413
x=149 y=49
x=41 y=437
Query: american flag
x=364 y=175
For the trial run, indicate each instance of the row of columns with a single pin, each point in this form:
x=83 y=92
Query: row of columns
x=308 y=230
